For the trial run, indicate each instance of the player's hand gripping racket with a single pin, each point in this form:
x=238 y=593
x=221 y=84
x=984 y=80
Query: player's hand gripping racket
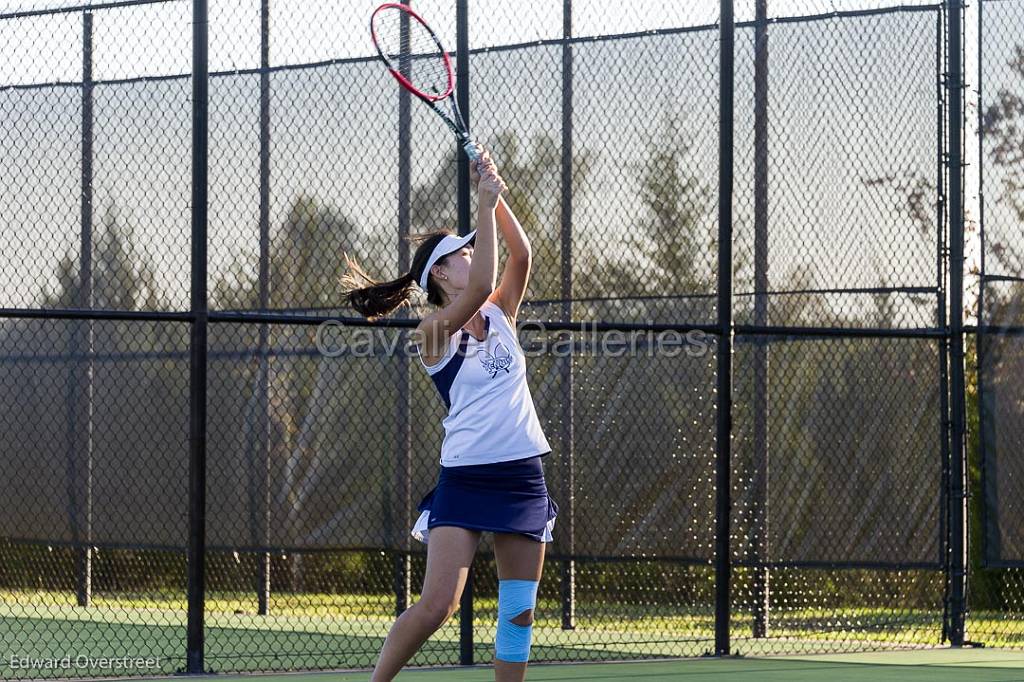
x=415 y=57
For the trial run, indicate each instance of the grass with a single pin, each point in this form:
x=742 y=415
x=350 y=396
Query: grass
x=329 y=631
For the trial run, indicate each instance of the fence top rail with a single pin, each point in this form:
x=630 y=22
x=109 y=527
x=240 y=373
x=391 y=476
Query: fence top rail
x=782 y=19
x=73 y=9
x=843 y=14
x=547 y=42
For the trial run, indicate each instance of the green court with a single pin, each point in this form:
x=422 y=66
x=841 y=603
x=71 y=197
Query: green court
x=346 y=632
x=934 y=665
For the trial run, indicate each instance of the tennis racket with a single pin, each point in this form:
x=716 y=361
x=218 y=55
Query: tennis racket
x=414 y=55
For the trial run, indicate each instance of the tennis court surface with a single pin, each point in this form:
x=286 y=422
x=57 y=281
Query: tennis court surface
x=934 y=665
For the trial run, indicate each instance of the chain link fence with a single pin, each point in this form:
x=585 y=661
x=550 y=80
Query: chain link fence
x=998 y=586
x=173 y=254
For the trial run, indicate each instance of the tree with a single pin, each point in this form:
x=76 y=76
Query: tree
x=123 y=276
x=1003 y=127
x=994 y=404
x=320 y=411
x=664 y=263
x=121 y=415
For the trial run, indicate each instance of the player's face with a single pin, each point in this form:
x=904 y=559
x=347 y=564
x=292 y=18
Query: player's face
x=457 y=266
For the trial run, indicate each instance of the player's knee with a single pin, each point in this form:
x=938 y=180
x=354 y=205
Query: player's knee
x=525 y=618
x=436 y=612
x=516 y=602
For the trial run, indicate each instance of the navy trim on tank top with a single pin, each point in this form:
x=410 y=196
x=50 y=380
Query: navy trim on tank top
x=446 y=377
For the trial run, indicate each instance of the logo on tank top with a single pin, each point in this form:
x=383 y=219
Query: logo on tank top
x=495 y=362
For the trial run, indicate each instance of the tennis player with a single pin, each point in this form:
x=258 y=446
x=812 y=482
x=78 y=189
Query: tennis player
x=491 y=476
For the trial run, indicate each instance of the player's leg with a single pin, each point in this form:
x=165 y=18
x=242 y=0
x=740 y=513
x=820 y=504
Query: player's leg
x=520 y=562
x=450 y=553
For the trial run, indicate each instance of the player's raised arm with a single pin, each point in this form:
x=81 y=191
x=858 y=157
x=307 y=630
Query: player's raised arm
x=516 y=273
x=463 y=299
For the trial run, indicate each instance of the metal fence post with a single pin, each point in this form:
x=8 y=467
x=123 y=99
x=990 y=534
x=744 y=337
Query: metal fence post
x=568 y=447
x=958 y=416
x=198 y=346
x=942 y=319
x=462 y=68
x=759 y=522
x=262 y=510
x=402 y=559
x=723 y=419
x=82 y=342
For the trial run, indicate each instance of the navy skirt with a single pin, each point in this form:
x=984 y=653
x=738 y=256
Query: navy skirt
x=506 y=497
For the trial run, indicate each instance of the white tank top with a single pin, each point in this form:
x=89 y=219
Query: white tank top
x=491 y=416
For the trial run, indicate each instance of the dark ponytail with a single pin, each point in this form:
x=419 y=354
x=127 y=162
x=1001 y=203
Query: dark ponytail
x=373 y=299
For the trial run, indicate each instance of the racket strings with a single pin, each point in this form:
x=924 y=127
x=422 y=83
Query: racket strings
x=411 y=49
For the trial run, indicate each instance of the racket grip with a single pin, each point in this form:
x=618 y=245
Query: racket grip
x=469 y=146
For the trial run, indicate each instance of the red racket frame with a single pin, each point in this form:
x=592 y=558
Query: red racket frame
x=405 y=82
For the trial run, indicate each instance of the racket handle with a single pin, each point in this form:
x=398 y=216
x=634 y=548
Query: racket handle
x=469 y=146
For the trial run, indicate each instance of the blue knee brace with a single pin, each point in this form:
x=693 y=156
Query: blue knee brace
x=512 y=642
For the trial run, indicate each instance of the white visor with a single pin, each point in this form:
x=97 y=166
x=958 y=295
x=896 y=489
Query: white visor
x=449 y=244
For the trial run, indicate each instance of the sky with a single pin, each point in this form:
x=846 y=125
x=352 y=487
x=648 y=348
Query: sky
x=150 y=41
